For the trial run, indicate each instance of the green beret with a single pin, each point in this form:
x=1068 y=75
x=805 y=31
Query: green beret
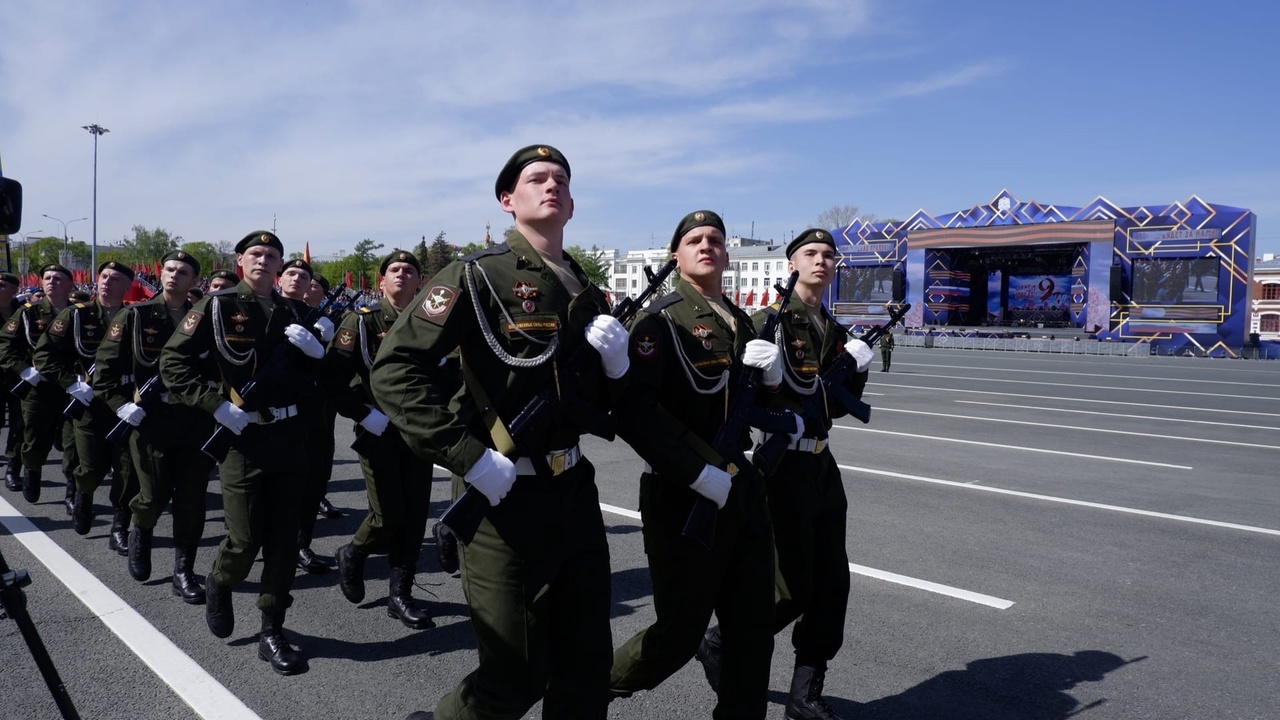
x=324 y=284
x=695 y=219
x=183 y=256
x=9 y=278
x=225 y=275
x=260 y=237
x=80 y=296
x=403 y=256
x=55 y=267
x=298 y=263
x=118 y=267
x=196 y=293
x=524 y=156
x=812 y=235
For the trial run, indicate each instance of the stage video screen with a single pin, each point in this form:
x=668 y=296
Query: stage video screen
x=1039 y=293
x=1175 y=281
x=866 y=284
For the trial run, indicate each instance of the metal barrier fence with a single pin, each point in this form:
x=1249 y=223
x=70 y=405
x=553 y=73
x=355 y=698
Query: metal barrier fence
x=1043 y=345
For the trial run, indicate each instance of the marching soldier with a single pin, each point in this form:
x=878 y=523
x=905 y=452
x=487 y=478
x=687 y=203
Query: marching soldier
x=536 y=574
x=65 y=355
x=165 y=446
x=9 y=285
x=222 y=280
x=241 y=330
x=685 y=349
x=315 y=296
x=397 y=481
x=807 y=502
x=886 y=351
x=42 y=404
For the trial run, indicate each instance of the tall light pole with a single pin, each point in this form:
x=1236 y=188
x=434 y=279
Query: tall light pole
x=95 y=130
x=66 y=249
x=23 y=263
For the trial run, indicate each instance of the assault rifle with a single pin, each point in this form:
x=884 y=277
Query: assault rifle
x=148 y=394
x=219 y=442
x=741 y=416
x=463 y=517
x=832 y=384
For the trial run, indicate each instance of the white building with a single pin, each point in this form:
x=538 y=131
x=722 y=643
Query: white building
x=754 y=267
x=1264 y=310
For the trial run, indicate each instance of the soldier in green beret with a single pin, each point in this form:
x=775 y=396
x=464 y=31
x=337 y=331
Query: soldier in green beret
x=165 y=446
x=807 y=502
x=65 y=355
x=222 y=280
x=315 y=298
x=241 y=329
x=536 y=574
x=686 y=348
x=9 y=286
x=397 y=480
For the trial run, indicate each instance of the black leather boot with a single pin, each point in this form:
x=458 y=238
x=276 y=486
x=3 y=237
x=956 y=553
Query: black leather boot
x=218 y=613
x=402 y=606
x=82 y=513
x=446 y=548
x=13 y=475
x=806 y=702
x=118 y=540
x=140 y=553
x=327 y=509
x=307 y=559
x=275 y=649
x=31 y=485
x=185 y=583
x=708 y=654
x=351 y=572
x=69 y=500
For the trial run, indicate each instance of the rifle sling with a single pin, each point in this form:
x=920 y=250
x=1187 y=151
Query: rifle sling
x=502 y=440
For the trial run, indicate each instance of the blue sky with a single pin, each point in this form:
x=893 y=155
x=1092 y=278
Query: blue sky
x=390 y=120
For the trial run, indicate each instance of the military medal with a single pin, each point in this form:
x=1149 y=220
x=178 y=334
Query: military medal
x=798 y=344
x=526 y=292
x=703 y=333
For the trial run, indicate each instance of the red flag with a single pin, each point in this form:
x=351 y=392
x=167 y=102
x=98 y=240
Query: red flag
x=764 y=298
x=156 y=267
x=349 y=283
x=306 y=252
x=751 y=297
x=362 y=281
x=137 y=293
x=239 y=271
x=737 y=297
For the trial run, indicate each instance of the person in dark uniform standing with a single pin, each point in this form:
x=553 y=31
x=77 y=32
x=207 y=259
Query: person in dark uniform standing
x=536 y=574
x=42 y=405
x=9 y=285
x=807 y=502
x=165 y=447
x=685 y=350
x=262 y=477
x=397 y=480
x=66 y=355
x=222 y=280
x=316 y=295
x=886 y=351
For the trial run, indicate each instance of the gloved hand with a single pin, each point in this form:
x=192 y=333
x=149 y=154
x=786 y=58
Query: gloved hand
x=232 y=417
x=325 y=326
x=31 y=375
x=304 y=341
x=493 y=475
x=766 y=356
x=375 y=422
x=713 y=484
x=131 y=413
x=860 y=352
x=609 y=338
x=799 y=433
x=81 y=391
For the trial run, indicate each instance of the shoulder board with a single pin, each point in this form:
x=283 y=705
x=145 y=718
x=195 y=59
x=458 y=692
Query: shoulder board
x=663 y=302
x=27 y=304
x=498 y=249
x=81 y=306
x=775 y=307
x=223 y=291
x=367 y=309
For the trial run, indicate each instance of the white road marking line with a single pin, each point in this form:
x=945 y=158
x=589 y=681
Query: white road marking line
x=1076 y=373
x=1077 y=427
x=1092 y=387
x=1120 y=415
x=1065 y=501
x=197 y=688
x=1015 y=447
x=885 y=575
x=1079 y=400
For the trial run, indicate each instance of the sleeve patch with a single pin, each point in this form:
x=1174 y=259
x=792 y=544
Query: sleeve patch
x=11 y=327
x=645 y=345
x=346 y=339
x=116 y=331
x=59 y=327
x=190 y=323
x=437 y=303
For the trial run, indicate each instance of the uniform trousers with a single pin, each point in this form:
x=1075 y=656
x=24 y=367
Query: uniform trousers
x=398 y=485
x=97 y=455
x=320 y=449
x=13 y=408
x=179 y=473
x=42 y=421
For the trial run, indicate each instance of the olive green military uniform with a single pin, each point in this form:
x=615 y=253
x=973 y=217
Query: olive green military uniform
x=12 y=404
x=166 y=446
x=886 y=351
x=264 y=470
x=536 y=575
x=684 y=356
x=42 y=406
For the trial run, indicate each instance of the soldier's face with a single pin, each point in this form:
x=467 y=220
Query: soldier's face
x=112 y=285
x=177 y=277
x=294 y=283
x=816 y=264
x=315 y=293
x=260 y=264
x=7 y=291
x=701 y=254
x=221 y=283
x=541 y=195
x=56 y=284
x=400 y=279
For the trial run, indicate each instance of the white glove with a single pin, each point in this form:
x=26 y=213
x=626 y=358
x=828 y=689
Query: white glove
x=325 y=326
x=375 y=422
x=766 y=356
x=799 y=433
x=304 y=341
x=81 y=391
x=131 y=413
x=31 y=375
x=609 y=338
x=493 y=475
x=232 y=417
x=713 y=484
x=860 y=352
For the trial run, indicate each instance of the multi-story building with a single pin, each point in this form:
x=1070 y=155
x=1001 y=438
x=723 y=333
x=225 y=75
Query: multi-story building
x=754 y=267
x=1264 y=310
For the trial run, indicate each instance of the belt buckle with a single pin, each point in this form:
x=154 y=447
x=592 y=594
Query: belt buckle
x=819 y=445
x=556 y=461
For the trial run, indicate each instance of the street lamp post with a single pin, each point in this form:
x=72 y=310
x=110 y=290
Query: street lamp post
x=23 y=263
x=95 y=130
x=66 y=248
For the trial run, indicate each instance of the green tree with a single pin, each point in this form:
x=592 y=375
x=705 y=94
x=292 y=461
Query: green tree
x=147 y=246
x=203 y=252
x=593 y=263
x=469 y=248
x=420 y=251
x=439 y=255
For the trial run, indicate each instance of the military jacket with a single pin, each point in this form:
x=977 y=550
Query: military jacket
x=684 y=361
x=808 y=353
x=7 y=312
x=68 y=347
x=514 y=322
x=22 y=331
x=231 y=328
x=350 y=357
